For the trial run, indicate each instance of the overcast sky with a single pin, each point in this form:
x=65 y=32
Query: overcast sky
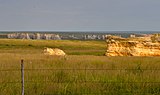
x=66 y=15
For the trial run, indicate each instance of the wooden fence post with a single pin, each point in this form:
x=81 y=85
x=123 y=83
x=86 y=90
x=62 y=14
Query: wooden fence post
x=22 y=76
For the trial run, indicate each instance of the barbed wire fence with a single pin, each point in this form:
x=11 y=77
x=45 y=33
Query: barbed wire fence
x=83 y=81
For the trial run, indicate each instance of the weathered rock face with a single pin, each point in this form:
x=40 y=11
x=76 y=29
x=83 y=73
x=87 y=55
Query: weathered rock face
x=34 y=36
x=138 y=46
x=55 y=51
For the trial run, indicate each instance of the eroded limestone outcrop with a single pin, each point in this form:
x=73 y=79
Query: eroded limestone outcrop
x=137 y=46
x=37 y=36
x=55 y=51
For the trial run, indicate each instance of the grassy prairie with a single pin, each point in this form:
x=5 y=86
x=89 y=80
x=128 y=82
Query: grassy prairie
x=74 y=47
x=85 y=71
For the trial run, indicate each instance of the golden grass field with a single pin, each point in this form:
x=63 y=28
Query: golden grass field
x=84 y=71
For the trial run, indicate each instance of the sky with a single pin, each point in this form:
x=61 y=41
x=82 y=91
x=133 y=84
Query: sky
x=79 y=15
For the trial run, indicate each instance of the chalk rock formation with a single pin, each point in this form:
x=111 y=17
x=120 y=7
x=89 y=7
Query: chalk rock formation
x=137 y=46
x=37 y=36
x=55 y=51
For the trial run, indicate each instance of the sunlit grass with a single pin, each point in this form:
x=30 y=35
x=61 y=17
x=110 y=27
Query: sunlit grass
x=81 y=72
x=74 y=47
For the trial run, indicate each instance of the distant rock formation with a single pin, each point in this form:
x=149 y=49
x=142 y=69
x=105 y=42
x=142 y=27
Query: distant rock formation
x=133 y=46
x=34 y=36
x=55 y=51
x=94 y=37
